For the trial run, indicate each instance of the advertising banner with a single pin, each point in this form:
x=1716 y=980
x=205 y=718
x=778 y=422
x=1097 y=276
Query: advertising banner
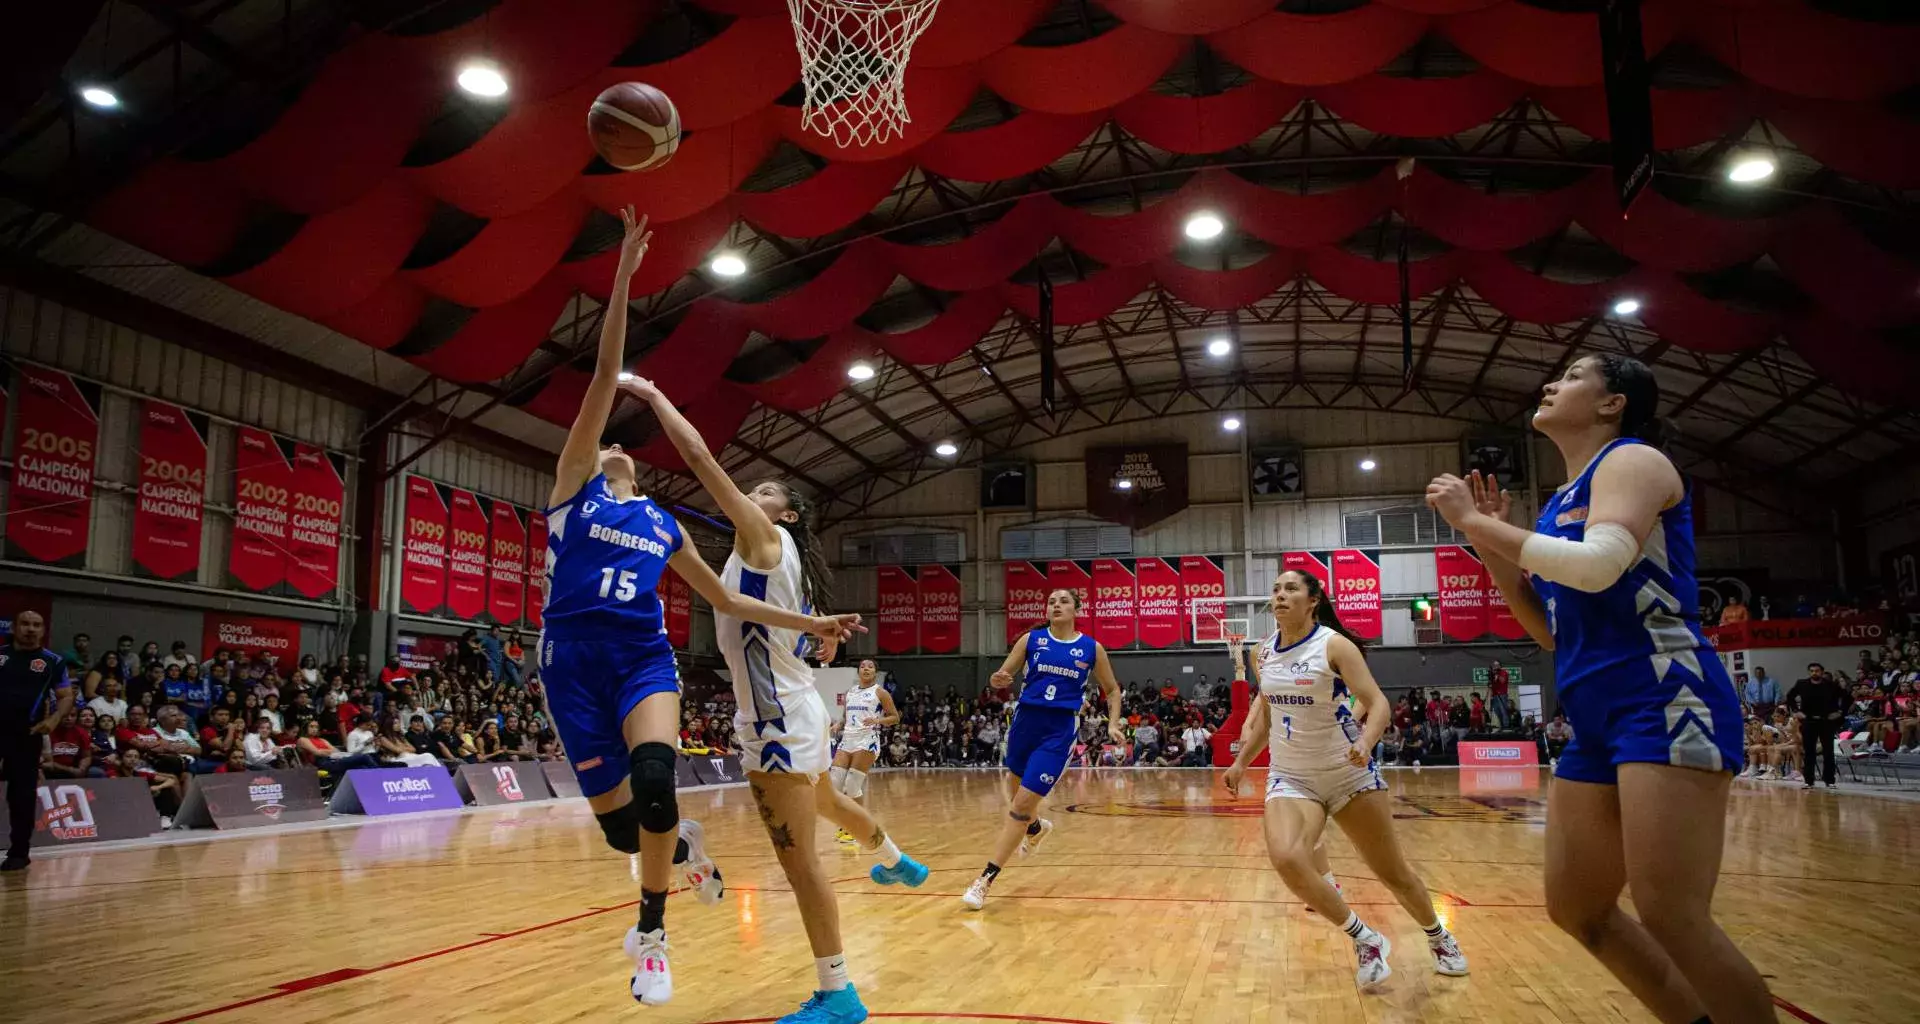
x=1159 y=603
x=50 y=505
x=252 y=799
x=507 y=568
x=1026 y=588
x=1846 y=631
x=536 y=568
x=1463 y=592
x=939 y=610
x=168 y=517
x=1115 y=607
x=423 y=567
x=466 y=556
x=313 y=542
x=503 y=782
x=75 y=811
x=561 y=780
x=897 y=626
x=1356 y=591
x=262 y=509
x=715 y=769
x=1499 y=754
x=251 y=636
x=383 y=791
x=419 y=653
x=1203 y=589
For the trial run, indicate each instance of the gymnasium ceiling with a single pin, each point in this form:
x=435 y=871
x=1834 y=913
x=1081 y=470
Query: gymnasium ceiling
x=305 y=175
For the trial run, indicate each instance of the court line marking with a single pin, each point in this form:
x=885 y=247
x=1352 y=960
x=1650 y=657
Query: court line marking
x=1037 y=1018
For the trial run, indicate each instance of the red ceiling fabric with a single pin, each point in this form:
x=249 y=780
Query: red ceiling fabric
x=1860 y=140
x=1681 y=117
x=1030 y=141
x=1296 y=221
x=834 y=197
x=1547 y=47
x=1320 y=49
x=558 y=400
x=1082 y=77
x=338 y=259
x=706 y=170
x=1440 y=6
x=1422 y=108
x=716 y=415
x=539 y=149
x=508 y=257
x=1855 y=281
x=543 y=47
x=1359 y=279
x=944 y=337
x=1467 y=218
x=382 y=319
x=1691 y=320
x=1207 y=124
x=1082 y=302
x=1526 y=296
x=692 y=358
x=1189 y=17
x=827 y=303
x=1799 y=50
x=496 y=340
x=739 y=73
x=819 y=378
x=676 y=248
x=990 y=255
x=743 y=8
x=976 y=31
x=1228 y=289
x=1665 y=234
x=175 y=210
x=1857 y=361
x=935 y=96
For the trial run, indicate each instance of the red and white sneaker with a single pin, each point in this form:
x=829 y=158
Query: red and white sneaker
x=1370 y=952
x=652 y=978
x=698 y=869
x=1030 y=843
x=1447 y=958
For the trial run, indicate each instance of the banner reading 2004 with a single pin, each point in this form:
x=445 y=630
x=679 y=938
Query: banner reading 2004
x=167 y=517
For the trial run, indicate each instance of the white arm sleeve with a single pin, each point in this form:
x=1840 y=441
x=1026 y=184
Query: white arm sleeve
x=1592 y=565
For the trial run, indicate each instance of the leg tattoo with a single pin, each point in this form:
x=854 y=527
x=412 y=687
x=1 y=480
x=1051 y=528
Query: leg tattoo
x=781 y=835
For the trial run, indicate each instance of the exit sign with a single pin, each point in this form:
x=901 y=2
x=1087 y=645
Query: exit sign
x=1480 y=675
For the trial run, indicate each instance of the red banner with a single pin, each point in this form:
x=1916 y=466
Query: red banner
x=897 y=626
x=1026 y=589
x=1115 y=608
x=507 y=569
x=939 y=610
x=252 y=635
x=1066 y=575
x=423 y=567
x=1463 y=592
x=536 y=568
x=676 y=605
x=1356 y=591
x=168 y=516
x=1846 y=631
x=263 y=499
x=1159 y=603
x=1500 y=620
x=13 y=602
x=1313 y=563
x=313 y=544
x=53 y=455
x=466 y=556
x=1203 y=585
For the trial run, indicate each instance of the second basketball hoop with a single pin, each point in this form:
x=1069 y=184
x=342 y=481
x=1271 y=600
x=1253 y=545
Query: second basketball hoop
x=853 y=63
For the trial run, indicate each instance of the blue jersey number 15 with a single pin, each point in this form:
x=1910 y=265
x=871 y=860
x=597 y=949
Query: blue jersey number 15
x=618 y=585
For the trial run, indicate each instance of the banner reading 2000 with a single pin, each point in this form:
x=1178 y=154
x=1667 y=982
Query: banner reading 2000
x=51 y=502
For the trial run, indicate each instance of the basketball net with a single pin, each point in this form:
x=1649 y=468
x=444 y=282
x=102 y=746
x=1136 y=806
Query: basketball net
x=853 y=63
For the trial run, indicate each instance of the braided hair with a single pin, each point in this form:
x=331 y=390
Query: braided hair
x=816 y=580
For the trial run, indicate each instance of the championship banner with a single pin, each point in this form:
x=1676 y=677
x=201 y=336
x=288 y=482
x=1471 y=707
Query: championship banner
x=1356 y=591
x=168 y=516
x=50 y=507
x=1026 y=588
x=13 y=602
x=1463 y=592
x=70 y=812
x=1317 y=564
x=676 y=608
x=262 y=503
x=313 y=544
x=466 y=556
x=1115 y=606
x=1158 y=601
x=1500 y=620
x=249 y=635
x=1068 y=575
x=1203 y=589
x=897 y=625
x=423 y=567
x=939 y=610
x=536 y=568
x=507 y=566
x=1137 y=485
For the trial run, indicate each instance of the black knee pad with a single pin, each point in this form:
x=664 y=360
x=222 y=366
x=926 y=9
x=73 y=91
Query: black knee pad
x=621 y=826
x=653 y=784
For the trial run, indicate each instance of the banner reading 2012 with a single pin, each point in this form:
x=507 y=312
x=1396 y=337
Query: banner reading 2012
x=51 y=502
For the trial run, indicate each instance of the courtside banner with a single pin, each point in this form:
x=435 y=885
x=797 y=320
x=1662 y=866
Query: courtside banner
x=69 y=812
x=252 y=799
x=939 y=610
x=897 y=625
x=1203 y=589
x=1501 y=754
x=507 y=566
x=169 y=514
x=1356 y=591
x=503 y=782
x=1026 y=588
x=262 y=510
x=562 y=781
x=423 y=567
x=383 y=791
x=1115 y=608
x=1463 y=592
x=313 y=543
x=536 y=568
x=1158 y=590
x=252 y=635
x=466 y=556
x=50 y=506
x=676 y=604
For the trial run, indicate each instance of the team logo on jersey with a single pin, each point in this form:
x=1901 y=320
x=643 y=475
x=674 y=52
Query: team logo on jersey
x=589 y=507
x=1043 y=641
x=1571 y=516
x=1078 y=653
x=1298 y=667
x=1080 y=664
x=39 y=665
x=655 y=514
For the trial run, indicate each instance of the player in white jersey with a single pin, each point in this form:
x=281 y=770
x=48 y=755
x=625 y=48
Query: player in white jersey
x=1323 y=769
x=869 y=707
x=782 y=723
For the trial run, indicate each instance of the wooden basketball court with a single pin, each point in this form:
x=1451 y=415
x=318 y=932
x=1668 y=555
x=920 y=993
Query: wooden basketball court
x=1152 y=904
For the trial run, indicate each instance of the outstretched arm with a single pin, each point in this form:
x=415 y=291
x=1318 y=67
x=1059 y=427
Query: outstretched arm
x=1110 y=689
x=694 y=569
x=1016 y=656
x=755 y=537
x=580 y=458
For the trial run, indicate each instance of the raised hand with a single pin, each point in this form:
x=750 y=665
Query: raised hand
x=633 y=244
x=836 y=627
x=639 y=387
x=1452 y=497
x=1488 y=498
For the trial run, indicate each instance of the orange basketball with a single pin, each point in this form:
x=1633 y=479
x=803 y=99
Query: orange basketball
x=634 y=126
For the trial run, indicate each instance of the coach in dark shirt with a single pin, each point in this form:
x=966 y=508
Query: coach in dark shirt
x=34 y=696
x=1819 y=701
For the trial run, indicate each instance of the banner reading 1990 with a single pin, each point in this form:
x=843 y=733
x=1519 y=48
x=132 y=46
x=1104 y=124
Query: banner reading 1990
x=51 y=502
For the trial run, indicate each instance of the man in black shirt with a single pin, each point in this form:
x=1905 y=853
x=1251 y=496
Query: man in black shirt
x=1819 y=702
x=35 y=695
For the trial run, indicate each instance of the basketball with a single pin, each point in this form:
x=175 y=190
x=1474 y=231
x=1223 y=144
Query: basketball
x=634 y=126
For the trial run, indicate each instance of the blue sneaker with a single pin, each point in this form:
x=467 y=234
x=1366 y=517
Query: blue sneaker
x=842 y=1007
x=908 y=871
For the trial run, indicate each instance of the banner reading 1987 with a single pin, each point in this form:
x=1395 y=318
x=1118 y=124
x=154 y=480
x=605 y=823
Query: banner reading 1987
x=51 y=502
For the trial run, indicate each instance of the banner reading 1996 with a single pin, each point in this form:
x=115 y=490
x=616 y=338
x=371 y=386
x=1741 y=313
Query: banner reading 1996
x=262 y=500
x=1026 y=589
x=51 y=501
x=168 y=517
x=897 y=628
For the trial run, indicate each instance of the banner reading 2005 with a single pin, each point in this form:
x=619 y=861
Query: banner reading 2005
x=263 y=496
x=51 y=504
x=167 y=518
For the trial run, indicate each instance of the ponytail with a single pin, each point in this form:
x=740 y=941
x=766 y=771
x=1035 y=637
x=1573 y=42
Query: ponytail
x=1323 y=612
x=1634 y=380
x=816 y=579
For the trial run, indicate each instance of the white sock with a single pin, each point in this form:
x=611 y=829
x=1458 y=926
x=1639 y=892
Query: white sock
x=837 y=778
x=1357 y=930
x=886 y=853
x=832 y=971
x=1332 y=880
x=856 y=783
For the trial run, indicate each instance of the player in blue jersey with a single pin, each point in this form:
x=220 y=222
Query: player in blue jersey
x=1606 y=581
x=607 y=668
x=1058 y=661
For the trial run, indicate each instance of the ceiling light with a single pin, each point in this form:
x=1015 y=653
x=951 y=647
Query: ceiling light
x=1123 y=485
x=1204 y=226
x=1230 y=423
x=1750 y=169
x=483 y=80
x=728 y=265
x=1219 y=347
x=1626 y=307
x=99 y=97
x=860 y=371
x=1368 y=465
x=946 y=449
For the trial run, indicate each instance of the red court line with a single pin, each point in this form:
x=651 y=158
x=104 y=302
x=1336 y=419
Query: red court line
x=1784 y=1005
x=939 y=1016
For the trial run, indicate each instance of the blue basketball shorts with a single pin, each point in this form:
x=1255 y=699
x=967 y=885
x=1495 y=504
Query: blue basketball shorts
x=1039 y=743
x=1628 y=717
x=592 y=686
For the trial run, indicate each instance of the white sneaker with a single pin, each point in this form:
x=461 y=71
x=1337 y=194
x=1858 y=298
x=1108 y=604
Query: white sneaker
x=976 y=895
x=1447 y=958
x=698 y=869
x=1030 y=844
x=652 y=978
x=1371 y=954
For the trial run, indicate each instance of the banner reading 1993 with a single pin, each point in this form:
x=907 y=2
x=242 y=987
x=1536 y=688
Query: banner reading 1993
x=168 y=517
x=263 y=498
x=51 y=502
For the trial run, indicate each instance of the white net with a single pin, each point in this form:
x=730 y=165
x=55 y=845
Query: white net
x=853 y=63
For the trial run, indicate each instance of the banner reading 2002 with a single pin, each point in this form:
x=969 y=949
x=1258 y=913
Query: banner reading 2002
x=262 y=499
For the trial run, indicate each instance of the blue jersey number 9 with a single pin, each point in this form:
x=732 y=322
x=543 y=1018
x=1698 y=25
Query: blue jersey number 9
x=621 y=588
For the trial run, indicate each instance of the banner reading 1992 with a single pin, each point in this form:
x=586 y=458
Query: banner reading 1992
x=262 y=502
x=51 y=502
x=168 y=517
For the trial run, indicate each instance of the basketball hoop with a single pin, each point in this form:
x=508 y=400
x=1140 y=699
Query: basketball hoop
x=1236 y=639
x=853 y=63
